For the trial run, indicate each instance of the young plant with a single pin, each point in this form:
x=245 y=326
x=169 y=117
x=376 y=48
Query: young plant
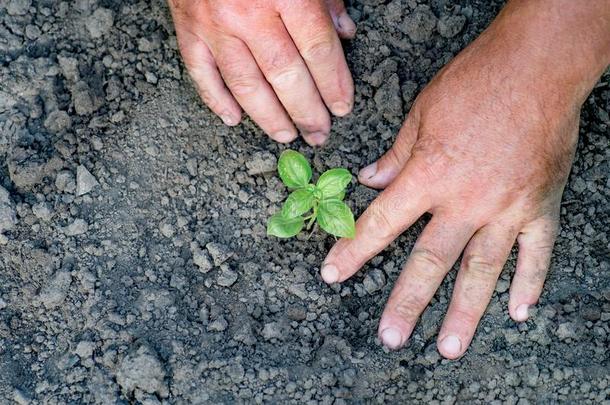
x=309 y=203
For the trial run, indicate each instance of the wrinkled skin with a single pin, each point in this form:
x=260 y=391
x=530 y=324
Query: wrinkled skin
x=279 y=60
x=486 y=149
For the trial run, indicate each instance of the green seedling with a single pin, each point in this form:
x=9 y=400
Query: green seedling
x=309 y=203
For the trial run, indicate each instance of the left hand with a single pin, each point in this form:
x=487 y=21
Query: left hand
x=486 y=149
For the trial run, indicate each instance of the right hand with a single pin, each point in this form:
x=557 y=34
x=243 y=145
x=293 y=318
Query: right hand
x=279 y=60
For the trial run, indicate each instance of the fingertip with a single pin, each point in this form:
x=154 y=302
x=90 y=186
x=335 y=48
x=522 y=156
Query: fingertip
x=315 y=138
x=230 y=119
x=346 y=27
x=391 y=338
x=284 y=136
x=450 y=347
x=329 y=273
x=367 y=173
x=341 y=108
x=376 y=176
x=520 y=313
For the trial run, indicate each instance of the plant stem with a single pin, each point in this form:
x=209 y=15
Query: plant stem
x=313 y=216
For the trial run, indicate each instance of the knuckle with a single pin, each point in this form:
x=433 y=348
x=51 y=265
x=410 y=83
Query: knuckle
x=466 y=316
x=478 y=267
x=379 y=221
x=285 y=79
x=241 y=84
x=428 y=258
x=393 y=156
x=310 y=123
x=319 y=49
x=409 y=308
x=208 y=98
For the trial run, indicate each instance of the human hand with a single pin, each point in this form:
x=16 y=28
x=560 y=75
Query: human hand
x=279 y=60
x=486 y=149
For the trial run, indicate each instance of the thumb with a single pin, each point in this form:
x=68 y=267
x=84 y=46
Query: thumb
x=382 y=172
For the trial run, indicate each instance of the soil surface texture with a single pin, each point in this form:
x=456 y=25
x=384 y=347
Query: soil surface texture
x=134 y=265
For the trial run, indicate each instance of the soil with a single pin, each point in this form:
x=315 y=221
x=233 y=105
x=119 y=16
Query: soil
x=134 y=266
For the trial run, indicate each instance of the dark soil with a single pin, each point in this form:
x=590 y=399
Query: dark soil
x=134 y=266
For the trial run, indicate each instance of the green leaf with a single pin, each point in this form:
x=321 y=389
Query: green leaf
x=283 y=227
x=298 y=203
x=340 y=196
x=294 y=169
x=335 y=217
x=333 y=182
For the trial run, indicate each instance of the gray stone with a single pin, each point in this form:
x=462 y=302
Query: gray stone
x=273 y=330
x=219 y=253
x=227 y=278
x=218 y=325
x=388 y=98
x=166 y=229
x=54 y=293
x=566 y=330
x=65 y=182
x=83 y=99
x=85 y=182
x=26 y=169
x=5 y=196
x=244 y=334
x=20 y=397
x=69 y=68
x=18 y=7
x=450 y=26
x=100 y=22
x=201 y=258
x=57 y=121
x=374 y=281
x=8 y=216
x=78 y=227
x=420 y=24
x=84 y=349
x=260 y=163
x=142 y=370
x=42 y=211
x=502 y=286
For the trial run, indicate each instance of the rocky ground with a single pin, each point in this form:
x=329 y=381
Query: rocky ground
x=134 y=266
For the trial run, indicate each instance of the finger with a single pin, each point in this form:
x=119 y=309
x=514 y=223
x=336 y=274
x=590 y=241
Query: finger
x=434 y=253
x=481 y=266
x=536 y=242
x=204 y=72
x=387 y=217
x=245 y=80
x=382 y=172
x=313 y=32
x=287 y=73
x=344 y=24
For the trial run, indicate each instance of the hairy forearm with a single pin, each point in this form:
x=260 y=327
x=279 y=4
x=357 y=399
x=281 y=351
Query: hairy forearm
x=565 y=41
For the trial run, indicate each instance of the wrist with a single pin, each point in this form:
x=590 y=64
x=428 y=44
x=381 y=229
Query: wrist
x=563 y=41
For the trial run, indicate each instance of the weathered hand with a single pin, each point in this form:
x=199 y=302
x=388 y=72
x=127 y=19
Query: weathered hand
x=486 y=149
x=280 y=60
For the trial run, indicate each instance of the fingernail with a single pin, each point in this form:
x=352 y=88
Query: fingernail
x=340 y=109
x=522 y=312
x=329 y=274
x=368 y=172
x=316 y=138
x=284 y=136
x=451 y=346
x=391 y=338
x=346 y=24
x=228 y=119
